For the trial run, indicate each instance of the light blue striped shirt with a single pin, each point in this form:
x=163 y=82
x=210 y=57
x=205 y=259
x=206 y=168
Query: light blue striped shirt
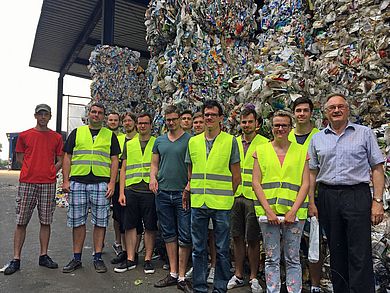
x=345 y=159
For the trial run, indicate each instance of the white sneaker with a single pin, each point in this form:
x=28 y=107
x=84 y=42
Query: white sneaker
x=210 y=278
x=255 y=286
x=189 y=273
x=235 y=282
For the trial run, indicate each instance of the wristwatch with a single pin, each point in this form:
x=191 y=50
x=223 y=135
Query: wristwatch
x=378 y=200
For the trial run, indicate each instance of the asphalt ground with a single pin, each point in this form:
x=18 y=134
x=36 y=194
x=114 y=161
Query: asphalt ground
x=33 y=278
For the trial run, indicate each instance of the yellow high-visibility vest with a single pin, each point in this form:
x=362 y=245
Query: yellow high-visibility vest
x=211 y=180
x=292 y=137
x=246 y=164
x=138 y=164
x=91 y=155
x=281 y=183
x=121 y=139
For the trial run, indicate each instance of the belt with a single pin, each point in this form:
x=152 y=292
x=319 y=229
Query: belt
x=343 y=187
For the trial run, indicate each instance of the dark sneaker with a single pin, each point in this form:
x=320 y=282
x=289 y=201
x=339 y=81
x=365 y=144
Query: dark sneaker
x=99 y=265
x=166 y=266
x=117 y=248
x=127 y=265
x=46 y=261
x=184 y=286
x=121 y=257
x=73 y=265
x=167 y=281
x=13 y=266
x=148 y=267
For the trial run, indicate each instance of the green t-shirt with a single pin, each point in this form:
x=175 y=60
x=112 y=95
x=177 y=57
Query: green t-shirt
x=172 y=170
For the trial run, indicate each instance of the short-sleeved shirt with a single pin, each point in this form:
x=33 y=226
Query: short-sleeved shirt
x=40 y=149
x=90 y=178
x=172 y=170
x=344 y=159
x=234 y=156
x=301 y=139
x=142 y=186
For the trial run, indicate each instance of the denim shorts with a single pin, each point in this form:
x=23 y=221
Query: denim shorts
x=174 y=221
x=83 y=196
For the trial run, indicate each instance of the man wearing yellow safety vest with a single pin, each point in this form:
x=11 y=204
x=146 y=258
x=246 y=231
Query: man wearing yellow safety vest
x=89 y=170
x=113 y=122
x=214 y=172
x=304 y=129
x=136 y=198
x=302 y=134
x=244 y=222
x=128 y=122
x=281 y=183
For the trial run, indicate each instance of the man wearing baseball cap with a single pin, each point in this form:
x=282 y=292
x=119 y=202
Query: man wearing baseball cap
x=39 y=151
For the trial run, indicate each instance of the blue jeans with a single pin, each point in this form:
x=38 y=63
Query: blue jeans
x=174 y=221
x=199 y=231
x=291 y=243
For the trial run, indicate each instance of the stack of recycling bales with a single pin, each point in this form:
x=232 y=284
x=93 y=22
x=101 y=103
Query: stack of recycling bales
x=208 y=54
x=270 y=54
x=118 y=82
x=350 y=53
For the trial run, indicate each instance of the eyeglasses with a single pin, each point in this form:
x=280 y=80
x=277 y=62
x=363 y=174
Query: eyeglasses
x=332 y=108
x=212 y=115
x=284 y=126
x=143 y=123
x=169 y=120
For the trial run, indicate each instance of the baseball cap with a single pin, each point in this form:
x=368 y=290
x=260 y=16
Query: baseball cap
x=42 y=107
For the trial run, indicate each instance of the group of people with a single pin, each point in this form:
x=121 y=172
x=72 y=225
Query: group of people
x=196 y=177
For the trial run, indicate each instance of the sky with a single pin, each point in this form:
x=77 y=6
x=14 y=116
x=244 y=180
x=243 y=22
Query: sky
x=23 y=87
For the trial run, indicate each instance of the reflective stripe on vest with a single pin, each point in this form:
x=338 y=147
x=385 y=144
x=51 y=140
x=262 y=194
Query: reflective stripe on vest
x=90 y=152
x=246 y=162
x=286 y=202
x=89 y=155
x=281 y=183
x=212 y=177
x=138 y=163
x=286 y=185
x=211 y=180
x=86 y=162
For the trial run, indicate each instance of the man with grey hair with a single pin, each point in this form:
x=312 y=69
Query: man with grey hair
x=342 y=156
